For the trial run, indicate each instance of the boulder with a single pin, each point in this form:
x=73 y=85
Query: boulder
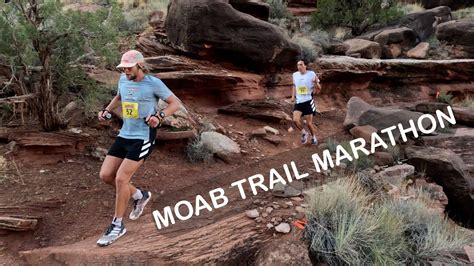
x=382 y=118
x=179 y=121
x=364 y=132
x=448 y=170
x=431 y=107
x=464 y=116
x=395 y=175
x=419 y=51
x=404 y=36
x=424 y=23
x=367 y=49
x=355 y=108
x=338 y=48
x=436 y=193
x=222 y=146
x=178 y=126
x=285 y=191
x=383 y=158
x=214 y=29
x=276 y=140
x=360 y=113
x=461 y=143
x=459 y=33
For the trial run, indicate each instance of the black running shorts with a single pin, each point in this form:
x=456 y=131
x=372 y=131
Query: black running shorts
x=306 y=108
x=133 y=149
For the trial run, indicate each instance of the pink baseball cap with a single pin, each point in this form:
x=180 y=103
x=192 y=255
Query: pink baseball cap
x=131 y=58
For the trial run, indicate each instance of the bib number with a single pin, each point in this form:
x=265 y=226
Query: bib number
x=130 y=110
x=302 y=90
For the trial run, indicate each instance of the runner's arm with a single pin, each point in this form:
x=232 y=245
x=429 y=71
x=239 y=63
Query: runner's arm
x=316 y=85
x=174 y=104
x=111 y=106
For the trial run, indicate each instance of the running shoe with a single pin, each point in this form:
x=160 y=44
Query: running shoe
x=139 y=205
x=112 y=233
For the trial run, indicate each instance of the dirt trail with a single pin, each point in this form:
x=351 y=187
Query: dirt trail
x=221 y=235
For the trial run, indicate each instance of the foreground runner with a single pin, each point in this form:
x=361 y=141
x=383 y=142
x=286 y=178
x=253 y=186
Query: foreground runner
x=139 y=94
x=304 y=82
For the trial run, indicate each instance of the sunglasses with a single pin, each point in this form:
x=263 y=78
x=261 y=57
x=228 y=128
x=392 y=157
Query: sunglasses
x=126 y=68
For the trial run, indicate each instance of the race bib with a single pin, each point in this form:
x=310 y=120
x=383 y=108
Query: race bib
x=130 y=110
x=302 y=90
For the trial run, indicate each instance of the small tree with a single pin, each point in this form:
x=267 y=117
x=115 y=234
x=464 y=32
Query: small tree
x=358 y=15
x=46 y=47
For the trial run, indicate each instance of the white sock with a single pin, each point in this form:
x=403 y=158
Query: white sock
x=117 y=221
x=137 y=195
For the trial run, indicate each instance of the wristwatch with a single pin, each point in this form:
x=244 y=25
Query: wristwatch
x=161 y=114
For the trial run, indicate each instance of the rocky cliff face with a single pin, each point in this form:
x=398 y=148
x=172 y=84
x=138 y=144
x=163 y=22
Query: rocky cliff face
x=215 y=30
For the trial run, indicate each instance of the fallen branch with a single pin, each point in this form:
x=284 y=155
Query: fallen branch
x=18 y=98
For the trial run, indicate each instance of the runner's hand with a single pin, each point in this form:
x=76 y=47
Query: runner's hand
x=101 y=115
x=152 y=121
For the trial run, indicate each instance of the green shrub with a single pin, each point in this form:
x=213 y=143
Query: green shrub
x=309 y=51
x=434 y=42
x=410 y=8
x=466 y=13
x=94 y=97
x=332 y=144
x=443 y=97
x=197 y=152
x=136 y=19
x=446 y=129
x=348 y=226
x=341 y=230
x=43 y=35
x=341 y=33
x=363 y=162
x=468 y=102
x=279 y=9
x=428 y=236
x=321 y=40
x=356 y=15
